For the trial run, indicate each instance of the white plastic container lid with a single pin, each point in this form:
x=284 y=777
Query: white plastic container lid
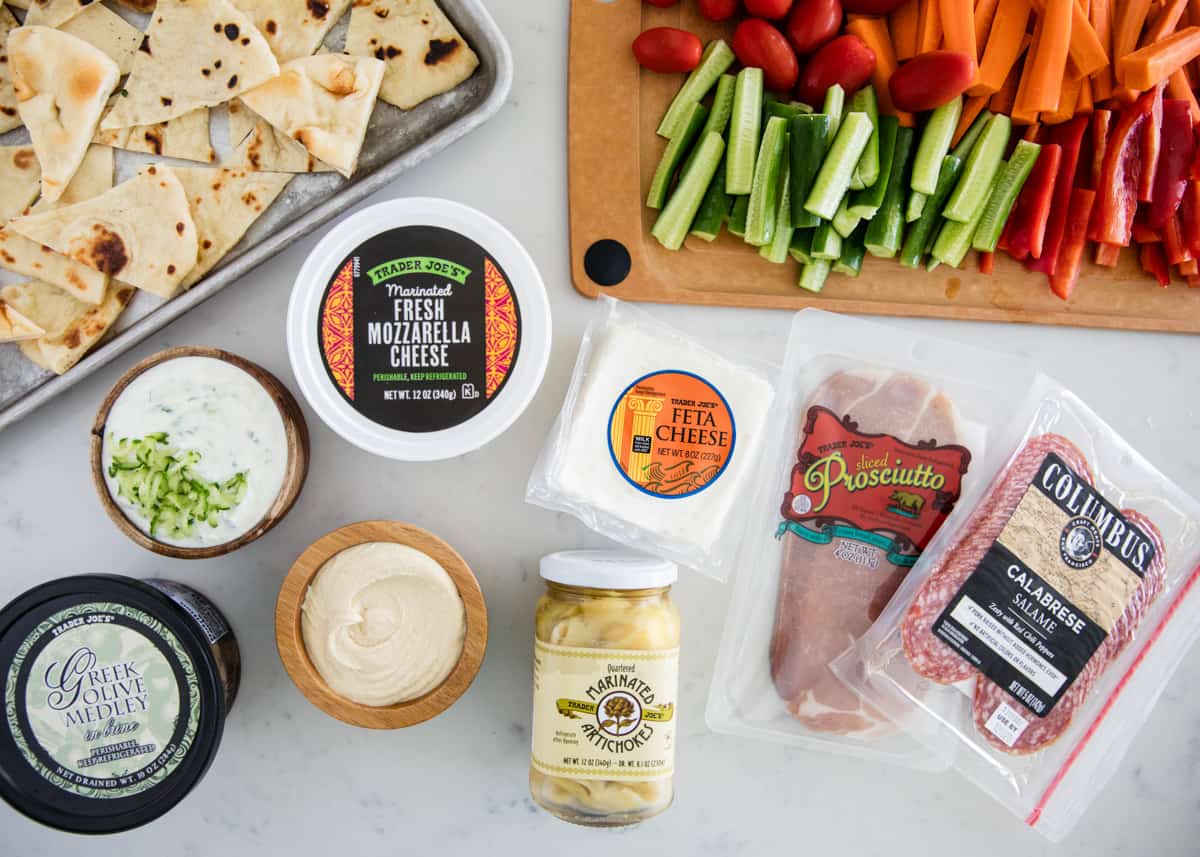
x=608 y=569
x=450 y=277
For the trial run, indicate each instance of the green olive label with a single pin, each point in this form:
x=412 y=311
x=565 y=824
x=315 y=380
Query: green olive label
x=102 y=700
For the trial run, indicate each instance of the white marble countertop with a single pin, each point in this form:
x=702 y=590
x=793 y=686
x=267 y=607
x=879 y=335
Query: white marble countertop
x=289 y=780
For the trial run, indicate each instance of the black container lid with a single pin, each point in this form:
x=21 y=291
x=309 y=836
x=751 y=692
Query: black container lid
x=84 y=682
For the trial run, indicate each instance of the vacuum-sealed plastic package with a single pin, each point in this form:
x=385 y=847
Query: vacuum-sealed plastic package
x=872 y=441
x=657 y=440
x=1041 y=624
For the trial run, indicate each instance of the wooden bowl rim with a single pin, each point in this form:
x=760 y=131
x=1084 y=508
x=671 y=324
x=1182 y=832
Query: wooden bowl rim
x=295 y=473
x=289 y=637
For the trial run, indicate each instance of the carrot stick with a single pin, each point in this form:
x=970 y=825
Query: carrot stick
x=1042 y=80
x=1067 y=101
x=972 y=106
x=1127 y=27
x=1178 y=87
x=1149 y=66
x=1003 y=46
x=1004 y=98
x=874 y=31
x=1087 y=53
x=1101 y=18
x=1032 y=132
x=1108 y=254
x=929 y=27
x=1086 y=102
x=902 y=24
x=958 y=27
x=1164 y=22
x=985 y=14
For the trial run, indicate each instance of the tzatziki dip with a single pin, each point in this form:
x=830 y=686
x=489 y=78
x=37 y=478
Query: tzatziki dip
x=194 y=451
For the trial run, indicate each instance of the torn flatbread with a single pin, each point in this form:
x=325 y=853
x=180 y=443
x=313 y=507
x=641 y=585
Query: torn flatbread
x=15 y=327
x=9 y=117
x=196 y=53
x=19 y=180
x=259 y=147
x=31 y=259
x=424 y=52
x=72 y=327
x=323 y=102
x=223 y=204
x=103 y=28
x=139 y=5
x=185 y=137
x=18 y=4
x=61 y=83
x=294 y=28
x=140 y=232
x=54 y=13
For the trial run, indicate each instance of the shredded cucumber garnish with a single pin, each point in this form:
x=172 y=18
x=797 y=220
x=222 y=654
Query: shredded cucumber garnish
x=162 y=483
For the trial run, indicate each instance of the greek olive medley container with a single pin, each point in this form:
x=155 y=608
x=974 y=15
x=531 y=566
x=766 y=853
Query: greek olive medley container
x=605 y=680
x=115 y=697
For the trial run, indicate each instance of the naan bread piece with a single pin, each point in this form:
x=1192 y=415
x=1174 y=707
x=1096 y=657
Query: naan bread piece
x=183 y=137
x=19 y=180
x=18 y=4
x=424 y=52
x=324 y=103
x=137 y=5
x=139 y=232
x=72 y=327
x=15 y=327
x=259 y=147
x=9 y=118
x=31 y=259
x=61 y=83
x=54 y=13
x=103 y=28
x=223 y=204
x=294 y=28
x=196 y=53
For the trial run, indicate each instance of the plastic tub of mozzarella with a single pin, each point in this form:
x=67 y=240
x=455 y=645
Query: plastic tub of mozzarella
x=419 y=329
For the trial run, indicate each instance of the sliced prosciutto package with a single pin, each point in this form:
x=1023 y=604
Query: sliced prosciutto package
x=1039 y=627
x=873 y=438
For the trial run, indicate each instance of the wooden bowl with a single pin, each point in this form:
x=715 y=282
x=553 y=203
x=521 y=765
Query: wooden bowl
x=290 y=639
x=295 y=430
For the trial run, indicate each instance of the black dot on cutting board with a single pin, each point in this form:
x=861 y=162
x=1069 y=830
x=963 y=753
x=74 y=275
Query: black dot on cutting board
x=607 y=262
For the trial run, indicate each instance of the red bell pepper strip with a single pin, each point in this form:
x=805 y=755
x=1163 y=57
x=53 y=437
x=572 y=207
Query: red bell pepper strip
x=1107 y=254
x=1193 y=282
x=1117 y=190
x=1189 y=217
x=987 y=262
x=1151 y=145
x=1070 y=256
x=1194 y=172
x=1144 y=233
x=1025 y=231
x=1101 y=125
x=1189 y=268
x=1174 y=161
x=1154 y=263
x=1069 y=137
x=1176 y=249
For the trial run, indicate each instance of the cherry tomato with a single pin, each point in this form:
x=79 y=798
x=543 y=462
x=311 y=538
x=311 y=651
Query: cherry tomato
x=772 y=10
x=662 y=4
x=667 y=49
x=813 y=23
x=931 y=79
x=759 y=45
x=717 y=10
x=871 y=7
x=846 y=60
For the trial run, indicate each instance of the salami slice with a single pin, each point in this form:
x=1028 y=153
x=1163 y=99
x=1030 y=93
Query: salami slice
x=1043 y=731
x=928 y=655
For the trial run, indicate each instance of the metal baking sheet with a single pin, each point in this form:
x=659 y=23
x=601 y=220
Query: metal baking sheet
x=396 y=141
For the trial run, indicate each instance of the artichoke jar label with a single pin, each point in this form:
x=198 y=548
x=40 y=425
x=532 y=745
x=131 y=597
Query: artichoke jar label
x=419 y=329
x=604 y=714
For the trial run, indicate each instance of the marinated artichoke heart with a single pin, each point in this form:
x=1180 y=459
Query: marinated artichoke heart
x=649 y=623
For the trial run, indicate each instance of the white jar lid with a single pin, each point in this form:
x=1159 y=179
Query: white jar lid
x=361 y=330
x=608 y=569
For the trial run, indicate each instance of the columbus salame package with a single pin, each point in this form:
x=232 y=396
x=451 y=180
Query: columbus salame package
x=1043 y=621
x=874 y=437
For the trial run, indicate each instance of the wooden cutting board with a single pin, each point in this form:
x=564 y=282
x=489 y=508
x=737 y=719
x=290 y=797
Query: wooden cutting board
x=613 y=111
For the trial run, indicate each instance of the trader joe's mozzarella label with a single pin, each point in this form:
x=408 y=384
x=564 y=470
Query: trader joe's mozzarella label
x=1051 y=588
x=419 y=328
x=102 y=700
x=604 y=714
